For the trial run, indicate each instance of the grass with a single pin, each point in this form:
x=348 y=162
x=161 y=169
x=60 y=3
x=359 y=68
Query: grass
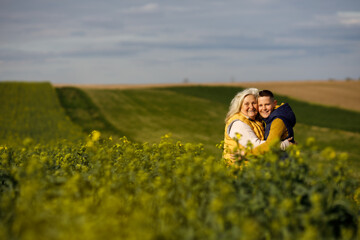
x=83 y=112
x=196 y=114
x=148 y=114
x=32 y=111
x=341 y=141
x=323 y=116
x=190 y=114
x=306 y=113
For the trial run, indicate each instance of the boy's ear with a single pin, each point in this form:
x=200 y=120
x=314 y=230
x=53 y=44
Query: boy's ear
x=275 y=102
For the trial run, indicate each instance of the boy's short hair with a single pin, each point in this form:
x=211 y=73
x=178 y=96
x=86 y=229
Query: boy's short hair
x=266 y=93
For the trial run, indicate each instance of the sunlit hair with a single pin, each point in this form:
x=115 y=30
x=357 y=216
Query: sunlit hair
x=266 y=93
x=237 y=101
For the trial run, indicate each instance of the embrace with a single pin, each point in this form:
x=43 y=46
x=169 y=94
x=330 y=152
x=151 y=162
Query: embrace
x=255 y=119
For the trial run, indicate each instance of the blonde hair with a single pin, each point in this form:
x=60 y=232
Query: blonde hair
x=237 y=101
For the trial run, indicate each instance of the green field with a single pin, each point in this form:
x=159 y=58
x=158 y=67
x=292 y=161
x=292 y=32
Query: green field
x=39 y=112
x=31 y=112
x=196 y=114
x=130 y=180
x=146 y=115
x=84 y=112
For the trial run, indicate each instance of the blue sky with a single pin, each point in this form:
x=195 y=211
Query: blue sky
x=138 y=41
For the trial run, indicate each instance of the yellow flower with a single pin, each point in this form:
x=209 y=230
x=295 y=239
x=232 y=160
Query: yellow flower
x=95 y=135
x=89 y=144
x=310 y=141
x=357 y=196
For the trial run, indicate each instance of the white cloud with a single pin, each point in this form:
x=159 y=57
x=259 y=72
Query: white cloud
x=349 y=18
x=335 y=19
x=147 y=8
x=150 y=7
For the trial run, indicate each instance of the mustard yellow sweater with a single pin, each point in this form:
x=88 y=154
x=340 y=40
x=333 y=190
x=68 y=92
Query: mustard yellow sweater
x=278 y=132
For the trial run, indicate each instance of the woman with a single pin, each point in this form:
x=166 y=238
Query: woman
x=243 y=125
x=242 y=119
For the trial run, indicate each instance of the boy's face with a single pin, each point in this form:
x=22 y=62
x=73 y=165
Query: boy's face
x=266 y=106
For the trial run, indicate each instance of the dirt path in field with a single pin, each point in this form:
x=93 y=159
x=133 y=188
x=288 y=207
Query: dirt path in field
x=343 y=94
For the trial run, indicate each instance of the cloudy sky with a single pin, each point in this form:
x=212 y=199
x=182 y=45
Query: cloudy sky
x=138 y=41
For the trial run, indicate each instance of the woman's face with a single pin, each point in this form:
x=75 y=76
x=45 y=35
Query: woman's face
x=249 y=106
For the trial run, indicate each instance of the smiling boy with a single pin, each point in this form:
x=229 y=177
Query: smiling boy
x=279 y=121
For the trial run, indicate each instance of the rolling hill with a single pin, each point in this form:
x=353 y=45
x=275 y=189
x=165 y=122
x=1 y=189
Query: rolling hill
x=196 y=114
x=111 y=187
x=192 y=114
x=32 y=112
